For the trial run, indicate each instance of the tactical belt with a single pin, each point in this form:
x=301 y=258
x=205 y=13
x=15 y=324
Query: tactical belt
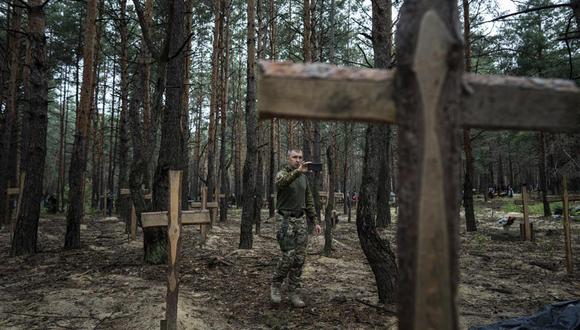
x=291 y=214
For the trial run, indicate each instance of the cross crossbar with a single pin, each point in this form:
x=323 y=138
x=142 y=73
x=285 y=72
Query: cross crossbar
x=327 y=92
x=12 y=191
x=161 y=219
x=552 y=199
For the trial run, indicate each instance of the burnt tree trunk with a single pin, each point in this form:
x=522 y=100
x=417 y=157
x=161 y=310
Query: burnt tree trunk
x=249 y=179
x=75 y=210
x=35 y=120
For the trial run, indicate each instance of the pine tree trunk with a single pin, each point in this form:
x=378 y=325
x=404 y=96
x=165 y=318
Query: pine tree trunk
x=543 y=176
x=171 y=150
x=62 y=140
x=75 y=210
x=35 y=120
x=249 y=183
x=152 y=108
x=195 y=190
x=111 y=168
x=470 y=223
x=9 y=133
x=259 y=192
x=123 y=203
x=345 y=158
x=224 y=179
x=376 y=249
x=238 y=141
x=185 y=128
x=214 y=103
x=328 y=217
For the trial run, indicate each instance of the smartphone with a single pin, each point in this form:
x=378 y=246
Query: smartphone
x=316 y=167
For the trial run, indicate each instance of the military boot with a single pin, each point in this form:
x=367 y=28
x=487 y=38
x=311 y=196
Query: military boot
x=296 y=300
x=275 y=295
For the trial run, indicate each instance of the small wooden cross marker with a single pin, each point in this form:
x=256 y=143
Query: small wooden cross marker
x=174 y=219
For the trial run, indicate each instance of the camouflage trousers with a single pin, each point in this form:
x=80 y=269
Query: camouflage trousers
x=293 y=246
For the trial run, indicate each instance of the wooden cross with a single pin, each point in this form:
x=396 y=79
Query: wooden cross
x=430 y=98
x=205 y=205
x=173 y=220
x=147 y=195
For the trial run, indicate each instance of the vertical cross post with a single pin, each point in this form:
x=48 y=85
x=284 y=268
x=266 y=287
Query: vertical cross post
x=173 y=232
x=567 y=234
x=133 y=222
x=428 y=91
x=527 y=227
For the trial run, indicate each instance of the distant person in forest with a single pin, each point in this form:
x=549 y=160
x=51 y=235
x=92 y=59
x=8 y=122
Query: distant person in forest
x=51 y=204
x=294 y=202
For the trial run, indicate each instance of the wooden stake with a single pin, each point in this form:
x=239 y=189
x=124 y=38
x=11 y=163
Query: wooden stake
x=133 y=222
x=173 y=232
x=527 y=227
x=567 y=234
x=204 y=198
x=105 y=203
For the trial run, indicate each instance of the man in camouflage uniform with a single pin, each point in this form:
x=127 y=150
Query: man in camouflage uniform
x=294 y=201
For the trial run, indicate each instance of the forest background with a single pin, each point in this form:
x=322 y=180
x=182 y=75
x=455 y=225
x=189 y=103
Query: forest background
x=111 y=138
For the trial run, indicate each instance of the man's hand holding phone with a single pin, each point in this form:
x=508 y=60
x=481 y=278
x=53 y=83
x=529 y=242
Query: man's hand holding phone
x=304 y=167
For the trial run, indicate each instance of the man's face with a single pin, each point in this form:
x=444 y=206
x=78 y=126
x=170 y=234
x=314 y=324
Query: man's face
x=295 y=159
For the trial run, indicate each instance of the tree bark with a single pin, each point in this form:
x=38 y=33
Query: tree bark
x=123 y=205
x=377 y=250
x=224 y=179
x=543 y=176
x=185 y=123
x=9 y=134
x=171 y=150
x=382 y=49
x=328 y=216
x=249 y=183
x=470 y=223
x=75 y=210
x=214 y=103
x=35 y=120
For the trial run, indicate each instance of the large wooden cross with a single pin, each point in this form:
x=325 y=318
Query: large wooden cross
x=429 y=97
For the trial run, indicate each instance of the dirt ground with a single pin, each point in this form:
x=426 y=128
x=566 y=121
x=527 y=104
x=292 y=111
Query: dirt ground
x=105 y=285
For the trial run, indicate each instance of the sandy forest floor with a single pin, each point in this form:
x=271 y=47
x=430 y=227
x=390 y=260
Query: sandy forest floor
x=105 y=285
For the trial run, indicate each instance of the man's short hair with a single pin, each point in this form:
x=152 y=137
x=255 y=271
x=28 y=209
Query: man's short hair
x=293 y=150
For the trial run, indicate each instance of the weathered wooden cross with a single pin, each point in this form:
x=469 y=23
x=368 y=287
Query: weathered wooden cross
x=126 y=193
x=527 y=229
x=429 y=97
x=173 y=219
x=205 y=205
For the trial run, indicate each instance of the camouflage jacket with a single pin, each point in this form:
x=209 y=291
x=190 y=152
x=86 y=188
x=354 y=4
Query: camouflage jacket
x=293 y=193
